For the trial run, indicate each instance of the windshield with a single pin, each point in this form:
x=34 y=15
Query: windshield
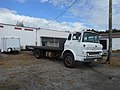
x=90 y=37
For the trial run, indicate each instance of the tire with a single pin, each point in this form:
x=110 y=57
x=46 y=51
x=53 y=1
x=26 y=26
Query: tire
x=9 y=50
x=69 y=60
x=38 y=53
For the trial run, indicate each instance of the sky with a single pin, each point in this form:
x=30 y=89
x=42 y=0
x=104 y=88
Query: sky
x=84 y=14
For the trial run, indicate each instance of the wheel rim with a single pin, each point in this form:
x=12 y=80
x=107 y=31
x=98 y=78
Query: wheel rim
x=68 y=60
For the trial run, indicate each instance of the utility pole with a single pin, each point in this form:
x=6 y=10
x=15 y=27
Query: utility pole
x=110 y=33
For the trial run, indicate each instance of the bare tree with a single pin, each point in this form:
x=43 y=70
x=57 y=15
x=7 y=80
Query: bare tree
x=20 y=24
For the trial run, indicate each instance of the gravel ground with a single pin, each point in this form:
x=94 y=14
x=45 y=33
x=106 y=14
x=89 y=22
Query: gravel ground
x=24 y=72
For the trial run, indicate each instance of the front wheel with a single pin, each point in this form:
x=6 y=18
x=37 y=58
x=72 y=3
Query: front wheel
x=69 y=60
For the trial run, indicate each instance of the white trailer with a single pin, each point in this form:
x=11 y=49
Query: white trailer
x=10 y=44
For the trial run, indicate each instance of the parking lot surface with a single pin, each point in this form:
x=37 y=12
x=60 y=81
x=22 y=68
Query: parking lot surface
x=24 y=72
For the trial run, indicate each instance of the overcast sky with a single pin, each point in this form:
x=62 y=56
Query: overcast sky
x=38 y=13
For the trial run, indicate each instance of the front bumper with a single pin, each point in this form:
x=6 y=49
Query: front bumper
x=92 y=56
x=92 y=59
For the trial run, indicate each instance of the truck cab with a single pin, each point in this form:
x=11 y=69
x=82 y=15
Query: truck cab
x=82 y=46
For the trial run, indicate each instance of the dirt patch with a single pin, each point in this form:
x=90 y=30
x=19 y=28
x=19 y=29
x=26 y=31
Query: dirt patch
x=115 y=61
x=12 y=60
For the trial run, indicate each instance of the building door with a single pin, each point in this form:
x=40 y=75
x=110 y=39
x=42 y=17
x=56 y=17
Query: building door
x=104 y=44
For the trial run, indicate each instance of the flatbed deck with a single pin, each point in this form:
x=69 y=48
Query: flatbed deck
x=50 y=48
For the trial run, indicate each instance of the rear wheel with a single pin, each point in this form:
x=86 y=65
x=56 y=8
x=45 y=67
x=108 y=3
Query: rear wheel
x=38 y=53
x=69 y=60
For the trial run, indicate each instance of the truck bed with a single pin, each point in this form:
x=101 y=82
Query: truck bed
x=50 y=48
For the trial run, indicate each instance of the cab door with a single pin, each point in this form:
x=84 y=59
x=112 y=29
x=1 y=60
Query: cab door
x=68 y=42
x=75 y=43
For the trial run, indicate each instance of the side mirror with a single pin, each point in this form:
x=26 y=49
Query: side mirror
x=78 y=36
x=79 y=39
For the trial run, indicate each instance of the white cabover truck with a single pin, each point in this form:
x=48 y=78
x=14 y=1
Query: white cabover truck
x=80 y=46
x=10 y=44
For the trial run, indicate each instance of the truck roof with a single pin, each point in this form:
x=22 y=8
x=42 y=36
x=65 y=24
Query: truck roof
x=73 y=32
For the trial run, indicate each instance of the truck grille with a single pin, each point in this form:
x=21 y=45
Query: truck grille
x=93 y=53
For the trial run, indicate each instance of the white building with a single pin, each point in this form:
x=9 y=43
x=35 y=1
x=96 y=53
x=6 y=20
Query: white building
x=29 y=35
x=104 y=39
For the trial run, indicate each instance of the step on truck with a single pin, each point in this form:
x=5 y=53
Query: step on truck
x=79 y=46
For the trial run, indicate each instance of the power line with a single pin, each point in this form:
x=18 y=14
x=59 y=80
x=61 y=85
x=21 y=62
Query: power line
x=61 y=13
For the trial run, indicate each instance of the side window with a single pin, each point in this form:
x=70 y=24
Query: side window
x=74 y=37
x=69 y=37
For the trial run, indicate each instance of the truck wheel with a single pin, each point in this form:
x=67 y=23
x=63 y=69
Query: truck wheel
x=38 y=54
x=69 y=60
